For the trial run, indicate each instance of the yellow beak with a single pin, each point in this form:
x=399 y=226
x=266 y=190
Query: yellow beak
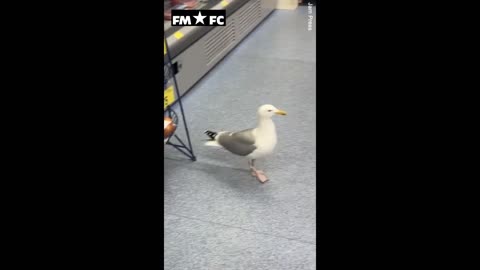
x=280 y=112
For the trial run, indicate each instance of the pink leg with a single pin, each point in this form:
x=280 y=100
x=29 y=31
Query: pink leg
x=261 y=177
x=258 y=173
x=255 y=172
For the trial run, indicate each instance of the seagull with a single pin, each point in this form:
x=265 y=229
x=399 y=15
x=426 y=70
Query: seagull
x=251 y=143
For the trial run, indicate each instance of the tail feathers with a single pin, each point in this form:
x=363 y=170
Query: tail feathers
x=211 y=134
x=212 y=143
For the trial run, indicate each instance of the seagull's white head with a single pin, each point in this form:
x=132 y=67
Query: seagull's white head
x=267 y=111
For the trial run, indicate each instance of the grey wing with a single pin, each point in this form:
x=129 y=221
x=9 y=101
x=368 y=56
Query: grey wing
x=245 y=136
x=241 y=143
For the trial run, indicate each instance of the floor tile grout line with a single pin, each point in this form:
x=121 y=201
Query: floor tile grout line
x=248 y=56
x=226 y=225
x=203 y=162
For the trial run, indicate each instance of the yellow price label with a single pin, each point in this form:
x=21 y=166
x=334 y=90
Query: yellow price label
x=164 y=47
x=224 y=3
x=178 y=35
x=168 y=97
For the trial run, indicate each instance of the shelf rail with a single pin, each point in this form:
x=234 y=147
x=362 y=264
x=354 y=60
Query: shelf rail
x=169 y=74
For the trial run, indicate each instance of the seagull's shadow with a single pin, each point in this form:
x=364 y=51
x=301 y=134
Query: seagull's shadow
x=245 y=186
x=235 y=178
x=221 y=157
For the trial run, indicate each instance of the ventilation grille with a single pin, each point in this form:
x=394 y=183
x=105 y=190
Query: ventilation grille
x=219 y=41
x=248 y=16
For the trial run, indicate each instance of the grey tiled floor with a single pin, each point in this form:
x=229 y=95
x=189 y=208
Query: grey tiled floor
x=216 y=215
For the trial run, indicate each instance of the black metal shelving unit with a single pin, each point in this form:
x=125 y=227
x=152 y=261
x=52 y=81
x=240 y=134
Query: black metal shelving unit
x=169 y=75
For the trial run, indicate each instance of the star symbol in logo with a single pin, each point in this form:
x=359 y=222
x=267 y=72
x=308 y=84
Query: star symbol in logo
x=199 y=18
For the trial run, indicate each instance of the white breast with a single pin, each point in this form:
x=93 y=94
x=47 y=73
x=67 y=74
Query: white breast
x=265 y=140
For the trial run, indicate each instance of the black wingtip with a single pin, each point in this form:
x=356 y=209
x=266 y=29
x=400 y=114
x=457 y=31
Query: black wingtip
x=211 y=134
